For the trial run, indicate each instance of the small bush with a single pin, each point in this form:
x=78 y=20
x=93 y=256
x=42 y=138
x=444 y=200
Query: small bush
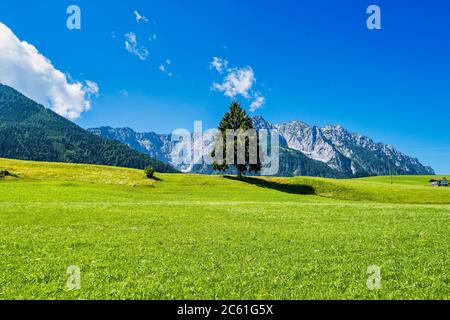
x=149 y=172
x=4 y=173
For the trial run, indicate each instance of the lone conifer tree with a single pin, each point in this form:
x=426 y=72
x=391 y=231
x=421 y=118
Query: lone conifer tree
x=239 y=142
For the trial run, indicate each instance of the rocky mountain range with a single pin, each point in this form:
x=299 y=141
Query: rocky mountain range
x=329 y=151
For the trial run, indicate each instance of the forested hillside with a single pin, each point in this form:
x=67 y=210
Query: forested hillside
x=28 y=131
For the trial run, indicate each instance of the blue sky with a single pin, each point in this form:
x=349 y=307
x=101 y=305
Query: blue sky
x=313 y=61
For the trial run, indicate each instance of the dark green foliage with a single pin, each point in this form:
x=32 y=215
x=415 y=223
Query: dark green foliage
x=4 y=173
x=28 y=131
x=295 y=163
x=149 y=172
x=237 y=119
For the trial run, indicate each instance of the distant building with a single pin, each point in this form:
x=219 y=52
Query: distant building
x=439 y=182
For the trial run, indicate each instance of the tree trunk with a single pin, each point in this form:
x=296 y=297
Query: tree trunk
x=239 y=174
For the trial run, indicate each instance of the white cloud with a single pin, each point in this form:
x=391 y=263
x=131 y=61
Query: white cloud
x=165 y=69
x=218 y=64
x=258 y=102
x=24 y=68
x=91 y=87
x=238 y=81
x=139 y=17
x=132 y=46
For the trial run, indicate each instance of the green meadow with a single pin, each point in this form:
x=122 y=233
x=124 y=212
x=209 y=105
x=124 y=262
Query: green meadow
x=214 y=237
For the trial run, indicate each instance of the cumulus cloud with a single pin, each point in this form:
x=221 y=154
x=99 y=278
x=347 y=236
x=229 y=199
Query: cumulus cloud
x=218 y=64
x=132 y=46
x=238 y=81
x=91 y=87
x=258 y=102
x=24 y=68
x=139 y=17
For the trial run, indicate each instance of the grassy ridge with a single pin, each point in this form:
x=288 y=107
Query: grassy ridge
x=202 y=237
x=405 y=189
x=45 y=171
x=408 y=180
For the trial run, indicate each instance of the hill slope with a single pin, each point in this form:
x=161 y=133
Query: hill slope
x=29 y=131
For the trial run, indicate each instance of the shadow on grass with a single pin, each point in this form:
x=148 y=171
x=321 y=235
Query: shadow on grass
x=6 y=173
x=157 y=179
x=287 y=188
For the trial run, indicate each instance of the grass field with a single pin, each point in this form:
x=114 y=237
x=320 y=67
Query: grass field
x=213 y=237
